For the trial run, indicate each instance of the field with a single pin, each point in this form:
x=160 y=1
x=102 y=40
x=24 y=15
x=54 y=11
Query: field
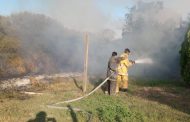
x=146 y=101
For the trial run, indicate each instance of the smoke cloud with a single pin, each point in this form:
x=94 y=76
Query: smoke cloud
x=154 y=31
x=150 y=29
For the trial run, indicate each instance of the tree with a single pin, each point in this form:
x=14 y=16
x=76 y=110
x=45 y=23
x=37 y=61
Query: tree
x=151 y=31
x=185 y=58
x=11 y=64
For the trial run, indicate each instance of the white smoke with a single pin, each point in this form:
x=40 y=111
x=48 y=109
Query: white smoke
x=144 y=61
x=151 y=30
x=154 y=31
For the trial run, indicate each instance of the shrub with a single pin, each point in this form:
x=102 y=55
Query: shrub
x=185 y=58
x=116 y=113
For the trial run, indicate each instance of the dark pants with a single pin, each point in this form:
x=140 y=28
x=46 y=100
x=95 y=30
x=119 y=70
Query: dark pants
x=111 y=87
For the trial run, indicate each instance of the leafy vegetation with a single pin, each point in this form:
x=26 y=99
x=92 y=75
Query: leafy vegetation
x=145 y=102
x=185 y=58
x=156 y=37
x=116 y=112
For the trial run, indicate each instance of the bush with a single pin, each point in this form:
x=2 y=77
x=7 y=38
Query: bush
x=117 y=113
x=185 y=58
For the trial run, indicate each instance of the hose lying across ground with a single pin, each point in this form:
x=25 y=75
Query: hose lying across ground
x=146 y=60
x=79 y=98
x=86 y=95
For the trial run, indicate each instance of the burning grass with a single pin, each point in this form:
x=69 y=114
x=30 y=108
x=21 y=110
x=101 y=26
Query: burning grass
x=146 y=101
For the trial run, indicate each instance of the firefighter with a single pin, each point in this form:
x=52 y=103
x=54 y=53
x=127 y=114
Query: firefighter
x=122 y=77
x=112 y=71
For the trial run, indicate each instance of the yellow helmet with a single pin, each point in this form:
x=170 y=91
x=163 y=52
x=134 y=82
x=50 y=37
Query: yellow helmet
x=124 y=55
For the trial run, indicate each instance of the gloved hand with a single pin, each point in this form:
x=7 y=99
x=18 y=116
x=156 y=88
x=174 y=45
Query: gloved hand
x=133 y=62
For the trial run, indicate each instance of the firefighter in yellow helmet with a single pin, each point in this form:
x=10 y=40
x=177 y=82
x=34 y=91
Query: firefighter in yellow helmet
x=122 y=77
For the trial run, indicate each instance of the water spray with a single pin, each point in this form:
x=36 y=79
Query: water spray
x=144 y=61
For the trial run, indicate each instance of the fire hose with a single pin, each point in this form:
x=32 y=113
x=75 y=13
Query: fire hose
x=79 y=98
x=54 y=106
x=86 y=95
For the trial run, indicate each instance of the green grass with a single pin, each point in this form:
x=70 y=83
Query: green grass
x=146 y=101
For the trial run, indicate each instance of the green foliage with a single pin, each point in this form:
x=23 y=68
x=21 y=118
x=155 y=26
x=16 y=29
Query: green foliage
x=185 y=58
x=155 y=83
x=116 y=113
x=171 y=106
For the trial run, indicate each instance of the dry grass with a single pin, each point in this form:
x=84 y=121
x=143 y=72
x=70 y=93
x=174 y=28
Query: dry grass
x=146 y=103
